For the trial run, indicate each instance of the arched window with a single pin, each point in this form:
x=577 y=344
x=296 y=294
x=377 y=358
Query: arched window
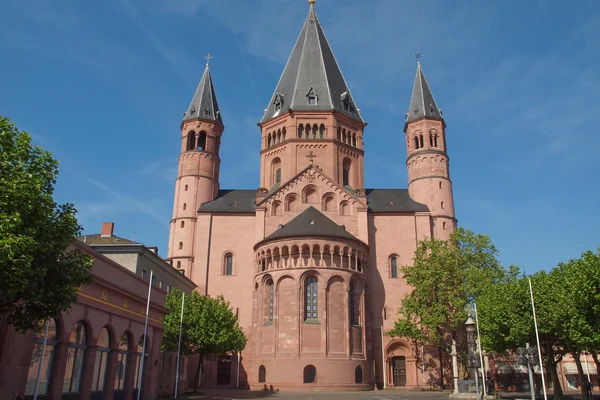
x=346 y=172
x=180 y=245
x=315 y=131
x=201 y=141
x=421 y=141
x=228 y=265
x=263 y=265
x=283 y=134
x=191 y=140
x=328 y=203
x=186 y=188
x=416 y=143
x=354 y=139
x=431 y=139
x=276 y=171
x=36 y=358
x=344 y=208
x=75 y=359
x=279 y=136
x=310 y=374
x=179 y=264
x=353 y=319
x=311 y=298
x=358 y=375
x=269 y=140
x=444 y=225
x=262 y=374
x=121 y=369
x=442 y=205
x=276 y=208
x=269 y=301
x=339 y=133
x=344 y=135
x=310 y=195
x=140 y=351
x=291 y=203
x=182 y=224
x=435 y=142
x=394 y=267
x=300 y=130
x=184 y=206
x=322 y=131
x=102 y=353
x=440 y=184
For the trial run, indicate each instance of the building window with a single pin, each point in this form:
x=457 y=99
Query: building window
x=394 y=267
x=186 y=188
x=180 y=245
x=421 y=143
x=191 y=140
x=444 y=225
x=36 y=356
x=262 y=374
x=442 y=205
x=161 y=284
x=278 y=176
x=310 y=374
x=358 y=375
x=121 y=369
x=182 y=224
x=178 y=264
x=311 y=298
x=440 y=184
x=276 y=171
x=228 y=264
x=339 y=134
x=145 y=274
x=312 y=97
x=346 y=172
x=263 y=265
x=416 y=143
x=184 y=206
x=75 y=359
x=202 y=141
x=102 y=353
x=322 y=131
x=353 y=319
x=300 y=130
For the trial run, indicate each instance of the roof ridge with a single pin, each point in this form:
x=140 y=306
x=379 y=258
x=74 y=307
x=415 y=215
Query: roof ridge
x=329 y=96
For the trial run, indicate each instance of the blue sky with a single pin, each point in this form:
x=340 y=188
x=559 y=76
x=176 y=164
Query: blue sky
x=103 y=85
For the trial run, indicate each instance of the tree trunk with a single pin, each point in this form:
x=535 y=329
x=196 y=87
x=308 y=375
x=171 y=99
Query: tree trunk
x=441 y=354
x=595 y=357
x=197 y=375
x=582 y=377
x=551 y=365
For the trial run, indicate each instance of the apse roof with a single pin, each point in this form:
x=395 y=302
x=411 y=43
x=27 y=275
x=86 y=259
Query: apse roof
x=204 y=103
x=231 y=201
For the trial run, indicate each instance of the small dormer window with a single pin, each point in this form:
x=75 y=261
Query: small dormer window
x=312 y=97
x=347 y=102
x=278 y=101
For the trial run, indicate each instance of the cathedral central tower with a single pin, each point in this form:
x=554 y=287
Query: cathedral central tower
x=312 y=117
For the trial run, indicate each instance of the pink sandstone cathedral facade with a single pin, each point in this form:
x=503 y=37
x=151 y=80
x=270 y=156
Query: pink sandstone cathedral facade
x=310 y=261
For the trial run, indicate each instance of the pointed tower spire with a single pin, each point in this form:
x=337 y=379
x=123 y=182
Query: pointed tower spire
x=204 y=103
x=422 y=103
x=312 y=79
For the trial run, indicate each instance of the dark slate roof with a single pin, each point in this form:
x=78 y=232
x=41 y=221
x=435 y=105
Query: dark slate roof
x=422 y=103
x=204 y=103
x=231 y=201
x=104 y=240
x=392 y=200
x=311 y=223
x=312 y=68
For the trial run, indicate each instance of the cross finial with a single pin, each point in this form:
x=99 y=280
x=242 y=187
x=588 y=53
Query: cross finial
x=418 y=56
x=311 y=156
x=208 y=58
x=312 y=2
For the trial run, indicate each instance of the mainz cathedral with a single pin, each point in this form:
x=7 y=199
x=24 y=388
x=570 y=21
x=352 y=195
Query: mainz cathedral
x=310 y=261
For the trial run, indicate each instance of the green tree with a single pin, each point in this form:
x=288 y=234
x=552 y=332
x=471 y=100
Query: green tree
x=446 y=276
x=40 y=277
x=209 y=327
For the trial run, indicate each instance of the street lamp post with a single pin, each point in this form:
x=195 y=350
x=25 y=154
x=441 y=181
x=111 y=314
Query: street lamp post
x=473 y=361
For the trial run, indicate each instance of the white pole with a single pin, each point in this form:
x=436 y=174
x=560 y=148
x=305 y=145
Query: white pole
x=587 y=367
x=179 y=347
x=237 y=383
x=382 y=357
x=39 y=372
x=537 y=337
x=145 y=338
x=480 y=352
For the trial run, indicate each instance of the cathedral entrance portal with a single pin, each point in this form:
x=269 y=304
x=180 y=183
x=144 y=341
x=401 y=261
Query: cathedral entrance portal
x=399 y=368
x=224 y=370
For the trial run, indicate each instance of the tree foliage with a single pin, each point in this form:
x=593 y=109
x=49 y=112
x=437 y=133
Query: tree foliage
x=209 y=326
x=445 y=276
x=40 y=278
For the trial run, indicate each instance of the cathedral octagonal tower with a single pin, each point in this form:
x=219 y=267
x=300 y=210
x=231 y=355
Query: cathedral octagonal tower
x=312 y=114
x=198 y=173
x=427 y=158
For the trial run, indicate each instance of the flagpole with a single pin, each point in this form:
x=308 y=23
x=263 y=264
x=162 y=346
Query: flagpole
x=141 y=375
x=537 y=337
x=39 y=372
x=179 y=347
x=480 y=352
x=383 y=368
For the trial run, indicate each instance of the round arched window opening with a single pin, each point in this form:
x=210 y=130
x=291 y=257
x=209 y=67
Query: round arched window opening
x=310 y=374
x=262 y=374
x=358 y=375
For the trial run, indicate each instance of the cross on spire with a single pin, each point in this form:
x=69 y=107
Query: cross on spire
x=208 y=58
x=418 y=56
x=311 y=156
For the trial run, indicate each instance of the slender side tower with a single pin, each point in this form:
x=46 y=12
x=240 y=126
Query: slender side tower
x=428 y=163
x=198 y=173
